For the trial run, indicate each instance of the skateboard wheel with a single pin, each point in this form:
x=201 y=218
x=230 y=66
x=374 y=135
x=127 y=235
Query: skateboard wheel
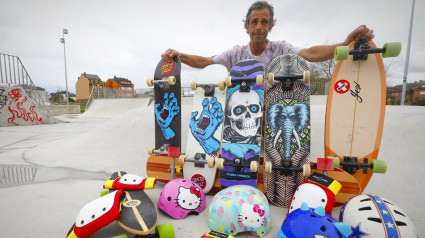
x=211 y=162
x=182 y=159
x=220 y=163
x=378 y=166
x=306 y=76
x=268 y=168
x=172 y=80
x=221 y=85
x=337 y=162
x=150 y=150
x=392 y=49
x=120 y=236
x=228 y=81
x=306 y=170
x=270 y=78
x=341 y=52
x=104 y=192
x=259 y=79
x=165 y=231
x=253 y=166
x=149 y=82
x=194 y=85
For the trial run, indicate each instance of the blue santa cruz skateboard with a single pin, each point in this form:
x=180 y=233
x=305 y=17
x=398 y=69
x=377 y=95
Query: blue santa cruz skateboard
x=240 y=151
x=167 y=93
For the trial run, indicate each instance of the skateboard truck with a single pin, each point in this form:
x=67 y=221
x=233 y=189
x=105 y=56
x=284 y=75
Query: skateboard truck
x=238 y=164
x=162 y=150
x=362 y=49
x=352 y=165
x=208 y=88
x=244 y=83
x=287 y=168
x=288 y=80
x=173 y=152
x=163 y=83
x=199 y=160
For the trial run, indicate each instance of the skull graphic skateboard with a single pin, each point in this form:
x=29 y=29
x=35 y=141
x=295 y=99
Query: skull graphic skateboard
x=240 y=147
x=205 y=127
x=287 y=128
x=167 y=105
x=355 y=109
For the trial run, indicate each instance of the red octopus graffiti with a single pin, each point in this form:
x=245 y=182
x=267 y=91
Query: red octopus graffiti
x=19 y=112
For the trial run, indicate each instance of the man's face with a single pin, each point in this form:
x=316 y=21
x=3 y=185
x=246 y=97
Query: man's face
x=259 y=25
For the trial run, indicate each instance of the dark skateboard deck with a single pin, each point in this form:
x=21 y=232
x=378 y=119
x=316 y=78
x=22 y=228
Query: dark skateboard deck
x=242 y=125
x=167 y=107
x=287 y=127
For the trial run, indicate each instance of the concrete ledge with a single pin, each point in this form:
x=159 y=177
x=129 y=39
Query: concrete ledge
x=56 y=110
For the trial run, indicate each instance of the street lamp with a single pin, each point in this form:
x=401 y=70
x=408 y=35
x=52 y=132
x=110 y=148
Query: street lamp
x=65 y=31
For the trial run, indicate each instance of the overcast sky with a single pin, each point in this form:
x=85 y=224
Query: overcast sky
x=126 y=38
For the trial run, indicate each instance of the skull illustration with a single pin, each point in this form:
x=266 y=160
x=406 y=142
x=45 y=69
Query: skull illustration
x=244 y=111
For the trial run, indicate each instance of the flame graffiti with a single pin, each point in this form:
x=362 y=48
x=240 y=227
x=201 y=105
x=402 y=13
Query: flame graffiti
x=19 y=112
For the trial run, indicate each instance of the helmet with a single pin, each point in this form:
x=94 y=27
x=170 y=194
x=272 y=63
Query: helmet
x=312 y=222
x=240 y=208
x=375 y=216
x=180 y=197
x=317 y=190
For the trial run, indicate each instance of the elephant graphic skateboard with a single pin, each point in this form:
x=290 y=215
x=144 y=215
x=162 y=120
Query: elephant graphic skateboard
x=355 y=109
x=205 y=127
x=167 y=107
x=240 y=146
x=287 y=128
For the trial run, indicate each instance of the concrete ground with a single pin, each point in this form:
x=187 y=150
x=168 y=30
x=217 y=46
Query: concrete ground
x=49 y=172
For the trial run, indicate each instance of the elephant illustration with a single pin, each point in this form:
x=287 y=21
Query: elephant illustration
x=288 y=120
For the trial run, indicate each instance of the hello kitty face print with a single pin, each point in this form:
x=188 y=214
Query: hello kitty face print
x=251 y=215
x=189 y=198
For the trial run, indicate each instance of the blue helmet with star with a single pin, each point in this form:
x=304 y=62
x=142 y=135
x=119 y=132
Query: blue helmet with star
x=309 y=222
x=374 y=216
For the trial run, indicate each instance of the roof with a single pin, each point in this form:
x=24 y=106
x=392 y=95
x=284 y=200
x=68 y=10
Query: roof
x=91 y=76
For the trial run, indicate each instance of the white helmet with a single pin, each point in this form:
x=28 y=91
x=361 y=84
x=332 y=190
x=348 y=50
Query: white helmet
x=373 y=216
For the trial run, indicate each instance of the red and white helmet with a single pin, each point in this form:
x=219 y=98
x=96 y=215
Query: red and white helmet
x=373 y=216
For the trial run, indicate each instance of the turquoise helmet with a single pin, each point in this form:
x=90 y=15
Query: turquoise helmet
x=240 y=208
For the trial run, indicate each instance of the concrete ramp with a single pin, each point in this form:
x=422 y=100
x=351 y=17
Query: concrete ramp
x=108 y=108
x=18 y=109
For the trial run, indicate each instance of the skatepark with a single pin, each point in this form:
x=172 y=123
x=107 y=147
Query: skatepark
x=50 y=171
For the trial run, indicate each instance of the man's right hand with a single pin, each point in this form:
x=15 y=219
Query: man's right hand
x=169 y=54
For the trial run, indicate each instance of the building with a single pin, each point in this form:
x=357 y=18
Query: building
x=88 y=83
x=119 y=88
x=419 y=92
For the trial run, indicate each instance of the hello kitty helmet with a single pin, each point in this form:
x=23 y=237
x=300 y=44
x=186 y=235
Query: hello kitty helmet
x=180 y=197
x=240 y=208
x=373 y=216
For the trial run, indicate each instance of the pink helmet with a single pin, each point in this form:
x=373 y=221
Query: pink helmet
x=180 y=197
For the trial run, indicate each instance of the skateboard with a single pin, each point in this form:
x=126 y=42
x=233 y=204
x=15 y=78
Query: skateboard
x=240 y=147
x=139 y=214
x=167 y=109
x=356 y=108
x=206 y=123
x=287 y=128
x=159 y=166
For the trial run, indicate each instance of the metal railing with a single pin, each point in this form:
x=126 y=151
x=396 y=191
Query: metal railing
x=13 y=73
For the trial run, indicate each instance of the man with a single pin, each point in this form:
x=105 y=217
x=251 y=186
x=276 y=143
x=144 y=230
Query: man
x=259 y=22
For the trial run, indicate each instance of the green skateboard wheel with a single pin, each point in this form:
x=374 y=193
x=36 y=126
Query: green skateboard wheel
x=378 y=166
x=165 y=231
x=341 y=52
x=392 y=49
x=337 y=162
x=104 y=192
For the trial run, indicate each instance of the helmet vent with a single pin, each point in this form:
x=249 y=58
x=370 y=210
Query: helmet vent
x=365 y=200
x=365 y=209
x=399 y=213
x=374 y=219
x=400 y=223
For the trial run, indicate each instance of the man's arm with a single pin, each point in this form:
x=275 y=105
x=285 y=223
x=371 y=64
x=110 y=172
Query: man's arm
x=194 y=61
x=326 y=52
